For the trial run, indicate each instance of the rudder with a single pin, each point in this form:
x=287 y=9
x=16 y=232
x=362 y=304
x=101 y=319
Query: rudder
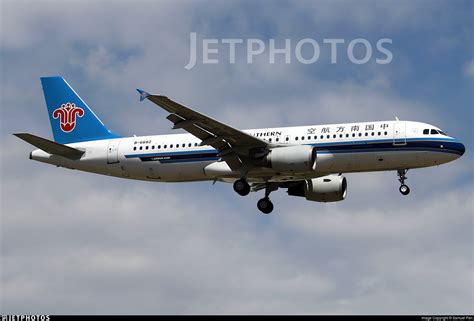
x=71 y=119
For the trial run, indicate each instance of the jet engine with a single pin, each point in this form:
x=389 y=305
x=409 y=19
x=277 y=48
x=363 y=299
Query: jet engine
x=331 y=188
x=293 y=159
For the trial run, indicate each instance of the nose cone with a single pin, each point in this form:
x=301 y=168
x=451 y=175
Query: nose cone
x=462 y=149
x=459 y=148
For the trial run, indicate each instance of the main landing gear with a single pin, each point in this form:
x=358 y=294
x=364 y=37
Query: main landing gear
x=404 y=189
x=264 y=204
x=242 y=188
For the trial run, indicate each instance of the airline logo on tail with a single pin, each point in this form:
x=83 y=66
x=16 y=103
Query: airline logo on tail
x=67 y=114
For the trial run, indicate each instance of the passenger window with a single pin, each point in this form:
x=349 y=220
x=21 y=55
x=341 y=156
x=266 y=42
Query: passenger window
x=372 y=133
x=159 y=146
x=334 y=136
x=189 y=145
x=165 y=146
x=270 y=140
x=302 y=137
x=153 y=147
x=287 y=138
x=353 y=135
x=277 y=139
x=347 y=135
x=360 y=134
x=315 y=137
x=434 y=132
x=385 y=133
x=366 y=134
x=141 y=147
x=195 y=144
x=171 y=146
x=379 y=133
x=426 y=131
x=340 y=135
x=328 y=136
x=322 y=136
x=309 y=137
x=296 y=138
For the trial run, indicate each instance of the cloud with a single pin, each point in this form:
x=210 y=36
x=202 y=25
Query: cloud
x=469 y=69
x=75 y=243
x=142 y=243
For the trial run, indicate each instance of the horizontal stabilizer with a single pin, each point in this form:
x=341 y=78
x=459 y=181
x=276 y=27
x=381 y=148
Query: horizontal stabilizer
x=51 y=147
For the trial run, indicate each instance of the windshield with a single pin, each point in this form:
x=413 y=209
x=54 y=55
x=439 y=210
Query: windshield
x=433 y=132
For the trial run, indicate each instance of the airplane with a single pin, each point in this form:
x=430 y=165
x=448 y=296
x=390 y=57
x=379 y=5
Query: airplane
x=307 y=161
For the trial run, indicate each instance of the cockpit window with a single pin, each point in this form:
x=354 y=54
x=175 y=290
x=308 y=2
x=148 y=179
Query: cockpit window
x=433 y=132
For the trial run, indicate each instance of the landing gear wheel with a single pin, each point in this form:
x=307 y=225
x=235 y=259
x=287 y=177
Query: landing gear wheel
x=242 y=187
x=405 y=190
x=265 y=205
x=402 y=176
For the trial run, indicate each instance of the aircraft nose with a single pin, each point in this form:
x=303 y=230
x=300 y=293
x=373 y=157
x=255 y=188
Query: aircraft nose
x=459 y=148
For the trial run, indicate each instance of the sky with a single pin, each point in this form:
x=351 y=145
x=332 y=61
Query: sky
x=79 y=243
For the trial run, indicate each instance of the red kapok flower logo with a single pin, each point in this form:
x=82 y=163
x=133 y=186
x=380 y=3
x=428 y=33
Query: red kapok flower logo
x=67 y=114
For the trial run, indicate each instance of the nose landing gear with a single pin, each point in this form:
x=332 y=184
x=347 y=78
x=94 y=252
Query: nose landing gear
x=404 y=189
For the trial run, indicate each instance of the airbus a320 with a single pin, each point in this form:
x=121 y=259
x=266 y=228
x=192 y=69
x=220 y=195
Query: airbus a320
x=307 y=161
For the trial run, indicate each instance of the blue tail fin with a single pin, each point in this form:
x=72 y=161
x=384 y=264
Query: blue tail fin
x=71 y=119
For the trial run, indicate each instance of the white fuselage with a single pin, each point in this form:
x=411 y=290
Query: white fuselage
x=341 y=148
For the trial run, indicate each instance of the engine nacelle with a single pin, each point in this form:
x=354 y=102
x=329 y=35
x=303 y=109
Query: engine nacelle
x=331 y=188
x=293 y=159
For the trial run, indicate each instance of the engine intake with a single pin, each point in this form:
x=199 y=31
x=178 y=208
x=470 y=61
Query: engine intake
x=293 y=159
x=329 y=188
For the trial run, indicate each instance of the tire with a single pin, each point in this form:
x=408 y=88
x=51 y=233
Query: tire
x=241 y=187
x=265 y=205
x=405 y=190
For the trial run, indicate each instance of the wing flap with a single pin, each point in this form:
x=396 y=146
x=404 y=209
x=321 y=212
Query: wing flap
x=208 y=138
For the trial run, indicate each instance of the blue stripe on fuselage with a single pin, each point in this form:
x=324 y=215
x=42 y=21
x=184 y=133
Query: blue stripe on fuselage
x=449 y=145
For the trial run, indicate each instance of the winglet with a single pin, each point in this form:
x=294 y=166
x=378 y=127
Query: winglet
x=143 y=94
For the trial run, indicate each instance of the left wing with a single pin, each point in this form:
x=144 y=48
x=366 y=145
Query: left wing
x=233 y=145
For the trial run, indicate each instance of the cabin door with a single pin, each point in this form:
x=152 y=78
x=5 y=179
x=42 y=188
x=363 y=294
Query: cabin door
x=399 y=133
x=112 y=151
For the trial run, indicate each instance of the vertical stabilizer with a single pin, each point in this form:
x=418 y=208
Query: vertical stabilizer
x=71 y=119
